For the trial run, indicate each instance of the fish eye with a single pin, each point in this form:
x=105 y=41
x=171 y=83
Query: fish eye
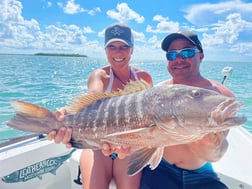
x=196 y=93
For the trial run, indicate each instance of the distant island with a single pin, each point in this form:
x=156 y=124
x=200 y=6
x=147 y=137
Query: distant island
x=59 y=54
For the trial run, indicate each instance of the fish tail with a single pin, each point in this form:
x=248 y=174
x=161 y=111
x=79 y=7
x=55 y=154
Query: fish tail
x=32 y=118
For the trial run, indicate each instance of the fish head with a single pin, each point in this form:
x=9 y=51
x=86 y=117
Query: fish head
x=193 y=109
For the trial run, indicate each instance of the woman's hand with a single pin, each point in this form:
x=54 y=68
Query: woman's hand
x=63 y=135
x=122 y=151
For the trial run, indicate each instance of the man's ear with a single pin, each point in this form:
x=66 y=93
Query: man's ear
x=201 y=56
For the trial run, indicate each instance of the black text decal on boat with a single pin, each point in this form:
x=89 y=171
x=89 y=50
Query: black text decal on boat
x=37 y=169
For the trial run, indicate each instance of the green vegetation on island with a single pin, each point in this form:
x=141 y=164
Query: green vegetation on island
x=60 y=54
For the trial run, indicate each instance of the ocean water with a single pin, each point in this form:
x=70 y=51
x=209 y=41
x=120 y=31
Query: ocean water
x=52 y=82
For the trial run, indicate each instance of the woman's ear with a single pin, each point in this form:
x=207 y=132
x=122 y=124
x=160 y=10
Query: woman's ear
x=132 y=49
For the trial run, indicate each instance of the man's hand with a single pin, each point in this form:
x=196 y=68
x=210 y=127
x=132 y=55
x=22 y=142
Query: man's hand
x=211 y=147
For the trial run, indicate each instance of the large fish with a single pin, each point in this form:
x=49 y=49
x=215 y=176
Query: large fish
x=146 y=120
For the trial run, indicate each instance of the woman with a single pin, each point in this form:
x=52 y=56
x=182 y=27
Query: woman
x=98 y=170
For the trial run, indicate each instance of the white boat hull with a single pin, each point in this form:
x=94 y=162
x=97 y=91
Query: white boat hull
x=36 y=163
x=235 y=168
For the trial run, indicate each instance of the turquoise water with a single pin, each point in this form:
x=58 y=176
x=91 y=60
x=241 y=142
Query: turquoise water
x=53 y=81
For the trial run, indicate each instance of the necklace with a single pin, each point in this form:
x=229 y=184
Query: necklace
x=124 y=83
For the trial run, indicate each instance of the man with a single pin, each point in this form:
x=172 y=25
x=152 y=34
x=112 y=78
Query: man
x=98 y=170
x=186 y=166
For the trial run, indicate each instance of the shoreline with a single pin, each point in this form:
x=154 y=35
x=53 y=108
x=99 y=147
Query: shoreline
x=59 y=54
x=50 y=54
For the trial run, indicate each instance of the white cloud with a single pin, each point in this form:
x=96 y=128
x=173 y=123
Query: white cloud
x=125 y=14
x=209 y=13
x=164 y=25
x=10 y=11
x=225 y=25
x=95 y=10
x=227 y=32
x=138 y=36
x=72 y=8
x=14 y=30
x=153 y=39
x=88 y=30
x=156 y=44
x=64 y=36
x=242 y=48
x=49 y=4
x=18 y=33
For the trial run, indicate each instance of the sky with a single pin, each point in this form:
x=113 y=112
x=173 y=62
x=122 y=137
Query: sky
x=77 y=26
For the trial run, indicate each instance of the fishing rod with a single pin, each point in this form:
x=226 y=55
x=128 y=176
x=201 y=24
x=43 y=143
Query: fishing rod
x=226 y=72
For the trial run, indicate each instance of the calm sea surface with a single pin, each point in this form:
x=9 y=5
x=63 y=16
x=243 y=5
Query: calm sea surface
x=52 y=82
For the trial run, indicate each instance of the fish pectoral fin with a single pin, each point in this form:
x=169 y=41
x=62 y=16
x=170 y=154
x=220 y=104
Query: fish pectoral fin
x=156 y=158
x=143 y=157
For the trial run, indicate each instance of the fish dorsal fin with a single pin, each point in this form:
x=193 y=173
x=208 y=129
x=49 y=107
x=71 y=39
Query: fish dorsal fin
x=30 y=109
x=145 y=156
x=87 y=99
x=83 y=101
x=136 y=86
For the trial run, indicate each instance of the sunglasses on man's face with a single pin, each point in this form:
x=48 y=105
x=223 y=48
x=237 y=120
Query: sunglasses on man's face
x=184 y=53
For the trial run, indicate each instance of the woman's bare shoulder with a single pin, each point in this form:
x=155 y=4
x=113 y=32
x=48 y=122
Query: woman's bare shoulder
x=143 y=74
x=100 y=72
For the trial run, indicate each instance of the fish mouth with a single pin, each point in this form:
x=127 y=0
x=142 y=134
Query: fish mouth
x=226 y=111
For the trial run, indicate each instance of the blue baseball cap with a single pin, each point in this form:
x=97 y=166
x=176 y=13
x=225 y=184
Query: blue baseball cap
x=119 y=32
